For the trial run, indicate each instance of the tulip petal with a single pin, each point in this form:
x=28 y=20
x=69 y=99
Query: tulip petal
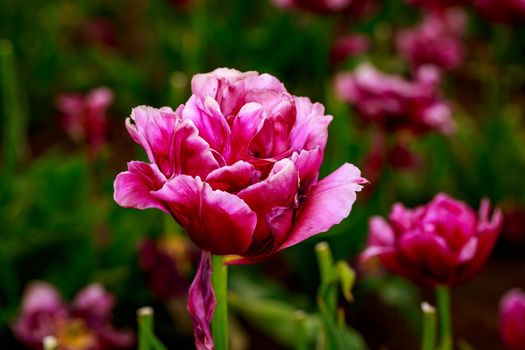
x=132 y=188
x=189 y=153
x=308 y=164
x=246 y=125
x=430 y=253
x=153 y=129
x=311 y=127
x=328 y=203
x=94 y=304
x=232 y=178
x=277 y=190
x=201 y=304
x=207 y=117
x=216 y=221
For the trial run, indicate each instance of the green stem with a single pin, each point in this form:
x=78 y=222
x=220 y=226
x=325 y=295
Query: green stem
x=443 y=306
x=219 y=323
x=326 y=263
x=302 y=340
x=145 y=321
x=429 y=327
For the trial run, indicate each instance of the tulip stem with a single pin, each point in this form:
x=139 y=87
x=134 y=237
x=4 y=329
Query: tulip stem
x=219 y=323
x=429 y=327
x=443 y=306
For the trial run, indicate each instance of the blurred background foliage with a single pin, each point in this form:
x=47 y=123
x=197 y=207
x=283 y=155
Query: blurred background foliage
x=60 y=224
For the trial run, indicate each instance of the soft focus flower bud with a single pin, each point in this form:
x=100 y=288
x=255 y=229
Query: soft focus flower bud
x=84 y=325
x=436 y=41
x=395 y=103
x=512 y=319
x=84 y=117
x=237 y=166
x=441 y=243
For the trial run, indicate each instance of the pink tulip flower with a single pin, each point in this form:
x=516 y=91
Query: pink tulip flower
x=237 y=166
x=436 y=41
x=394 y=103
x=441 y=243
x=512 y=319
x=85 y=325
x=84 y=117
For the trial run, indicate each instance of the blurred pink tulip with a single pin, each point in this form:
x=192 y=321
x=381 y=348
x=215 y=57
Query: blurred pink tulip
x=441 y=243
x=237 y=166
x=84 y=117
x=348 y=46
x=512 y=319
x=438 y=5
x=85 y=325
x=355 y=7
x=505 y=11
x=437 y=41
x=395 y=103
x=168 y=263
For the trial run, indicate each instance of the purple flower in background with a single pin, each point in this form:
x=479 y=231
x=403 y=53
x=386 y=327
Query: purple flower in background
x=395 y=103
x=437 y=41
x=438 y=5
x=354 y=7
x=83 y=117
x=237 y=166
x=505 y=11
x=348 y=46
x=168 y=263
x=441 y=243
x=512 y=319
x=85 y=325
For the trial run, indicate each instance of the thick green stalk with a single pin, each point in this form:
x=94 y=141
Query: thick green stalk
x=145 y=321
x=443 y=306
x=219 y=323
x=302 y=338
x=429 y=327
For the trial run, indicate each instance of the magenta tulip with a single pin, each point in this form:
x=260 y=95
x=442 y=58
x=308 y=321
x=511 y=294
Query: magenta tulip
x=512 y=319
x=85 y=325
x=436 y=41
x=394 y=103
x=441 y=243
x=237 y=166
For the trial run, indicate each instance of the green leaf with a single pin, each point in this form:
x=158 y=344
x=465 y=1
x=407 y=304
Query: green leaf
x=346 y=276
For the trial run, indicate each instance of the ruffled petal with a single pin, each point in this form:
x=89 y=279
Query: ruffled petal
x=311 y=126
x=189 y=153
x=211 y=124
x=277 y=190
x=132 y=188
x=233 y=178
x=246 y=125
x=327 y=204
x=216 y=221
